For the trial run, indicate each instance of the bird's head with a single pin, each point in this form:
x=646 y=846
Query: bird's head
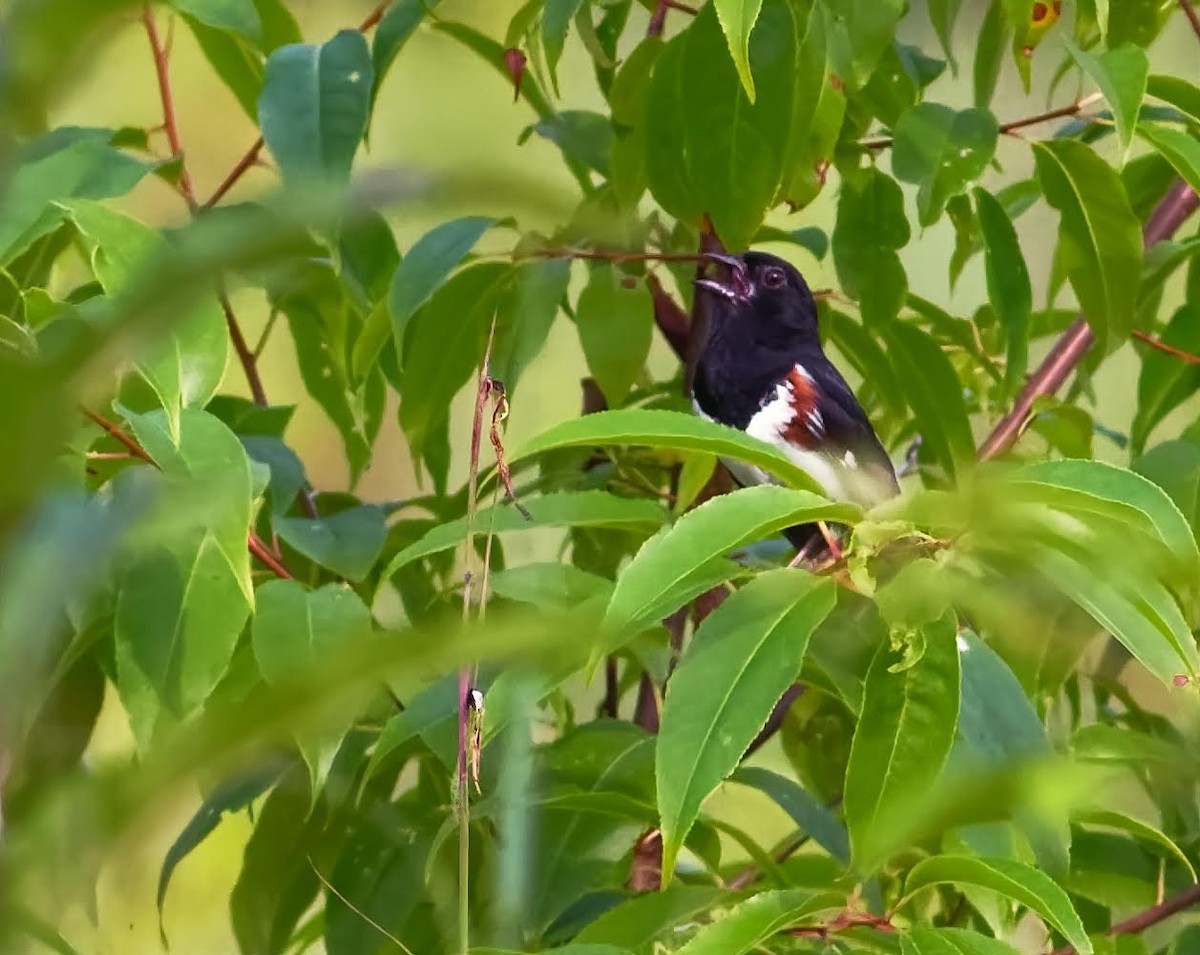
x=760 y=292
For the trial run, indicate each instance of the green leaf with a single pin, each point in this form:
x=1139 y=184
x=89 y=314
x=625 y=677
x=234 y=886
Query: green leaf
x=526 y=314
x=637 y=923
x=556 y=18
x=715 y=528
x=615 y=324
x=446 y=345
x=67 y=163
x=235 y=60
x=926 y=940
x=750 y=923
x=1121 y=76
x=737 y=18
x=346 y=543
x=561 y=586
x=663 y=429
x=238 y=16
x=996 y=719
x=184 y=596
x=742 y=658
x=1165 y=382
x=1139 y=830
x=399 y=23
x=935 y=395
x=584 y=137
x=1175 y=467
x=1014 y=880
x=186 y=367
x=942 y=150
x=860 y=31
x=694 y=90
x=1008 y=285
x=295 y=633
x=989 y=53
x=1178 y=92
x=905 y=731
x=942 y=15
x=568 y=509
x=1177 y=147
x=871 y=226
x=1099 y=237
x=813 y=818
x=431 y=259
x=867 y=356
x=314 y=106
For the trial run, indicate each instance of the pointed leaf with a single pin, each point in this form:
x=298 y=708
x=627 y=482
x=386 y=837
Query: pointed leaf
x=871 y=226
x=737 y=18
x=813 y=818
x=616 y=328
x=556 y=19
x=1175 y=467
x=713 y=529
x=1179 y=148
x=904 y=733
x=989 y=53
x=925 y=940
x=1008 y=285
x=1121 y=76
x=942 y=151
x=526 y=314
x=1178 y=92
x=239 y=16
x=314 y=106
x=742 y=658
x=750 y=923
x=1138 y=829
x=1099 y=237
x=1165 y=382
x=638 y=922
x=346 y=542
x=1015 y=880
x=399 y=23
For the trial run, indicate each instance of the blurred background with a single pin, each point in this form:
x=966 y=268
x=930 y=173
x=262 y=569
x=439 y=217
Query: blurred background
x=444 y=112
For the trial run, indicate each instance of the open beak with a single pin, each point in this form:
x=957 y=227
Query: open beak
x=735 y=287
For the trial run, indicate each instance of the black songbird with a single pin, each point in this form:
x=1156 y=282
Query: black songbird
x=763 y=372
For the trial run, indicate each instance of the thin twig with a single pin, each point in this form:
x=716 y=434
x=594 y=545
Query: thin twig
x=170 y=126
x=1189 y=11
x=1071 y=109
x=1151 y=916
x=251 y=157
x=1164 y=347
x=245 y=355
x=617 y=255
x=357 y=911
x=1179 y=203
x=261 y=345
x=260 y=550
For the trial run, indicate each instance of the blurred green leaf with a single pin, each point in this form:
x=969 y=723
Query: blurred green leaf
x=1179 y=148
x=926 y=940
x=1177 y=92
x=297 y=631
x=871 y=226
x=713 y=529
x=1008 y=285
x=1164 y=381
x=663 y=429
x=751 y=922
x=346 y=543
x=1137 y=23
x=815 y=820
x=568 y=509
x=630 y=122
x=1175 y=467
x=942 y=15
x=996 y=719
x=526 y=314
x=737 y=19
x=1139 y=830
x=584 y=137
x=616 y=326
x=184 y=596
x=1121 y=76
x=742 y=658
x=556 y=18
x=989 y=53
x=1014 y=880
x=860 y=31
x=446 y=344
x=935 y=395
x=399 y=23
x=1099 y=238
x=905 y=731
x=314 y=106
x=238 y=16
x=941 y=151
x=186 y=367
x=638 y=922
x=549 y=585
x=867 y=356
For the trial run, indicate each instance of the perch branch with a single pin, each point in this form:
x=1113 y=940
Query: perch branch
x=1179 y=203
x=1151 y=916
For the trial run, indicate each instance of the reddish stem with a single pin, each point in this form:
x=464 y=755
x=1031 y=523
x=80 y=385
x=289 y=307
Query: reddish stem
x=1151 y=916
x=245 y=355
x=1179 y=203
x=1071 y=109
x=1189 y=11
x=170 y=126
x=1168 y=349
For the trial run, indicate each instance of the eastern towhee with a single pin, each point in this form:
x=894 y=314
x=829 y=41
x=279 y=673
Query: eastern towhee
x=763 y=372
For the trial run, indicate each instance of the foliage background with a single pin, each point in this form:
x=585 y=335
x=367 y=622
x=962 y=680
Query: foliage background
x=442 y=110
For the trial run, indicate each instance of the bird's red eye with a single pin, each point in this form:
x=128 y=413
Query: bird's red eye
x=774 y=278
